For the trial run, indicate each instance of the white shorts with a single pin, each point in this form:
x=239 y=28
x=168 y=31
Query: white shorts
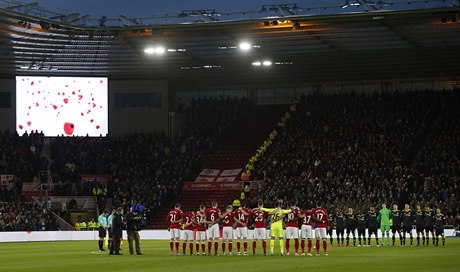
x=201 y=236
x=213 y=232
x=292 y=232
x=175 y=233
x=260 y=233
x=241 y=232
x=227 y=233
x=305 y=232
x=187 y=235
x=320 y=233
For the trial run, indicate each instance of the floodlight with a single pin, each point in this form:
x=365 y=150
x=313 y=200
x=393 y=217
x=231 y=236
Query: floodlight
x=245 y=46
x=149 y=50
x=160 y=50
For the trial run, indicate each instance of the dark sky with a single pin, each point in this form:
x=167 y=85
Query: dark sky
x=141 y=8
x=147 y=8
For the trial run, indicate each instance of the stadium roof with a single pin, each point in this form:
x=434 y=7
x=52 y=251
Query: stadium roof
x=380 y=45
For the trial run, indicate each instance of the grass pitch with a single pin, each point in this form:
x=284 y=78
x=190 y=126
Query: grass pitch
x=83 y=256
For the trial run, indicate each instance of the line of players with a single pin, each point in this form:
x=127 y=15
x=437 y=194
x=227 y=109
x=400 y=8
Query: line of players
x=206 y=224
x=426 y=222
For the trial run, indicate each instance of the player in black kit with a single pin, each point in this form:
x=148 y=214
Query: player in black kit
x=351 y=226
x=408 y=218
x=361 y=224
x=330 y=230
x=429 y=225
x=373 y=225
x=339 y=218
x=396 y=226
x=439 y=224
x=419 y=224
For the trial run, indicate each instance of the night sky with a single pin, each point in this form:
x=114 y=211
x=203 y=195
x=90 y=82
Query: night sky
x=147 y=8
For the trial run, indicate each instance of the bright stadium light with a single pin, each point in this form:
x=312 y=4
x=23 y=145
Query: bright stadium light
x=267 y=63
x=160 y=50
x=245 y=46
x=256 y=63
x=149 y=50
x=155 y=50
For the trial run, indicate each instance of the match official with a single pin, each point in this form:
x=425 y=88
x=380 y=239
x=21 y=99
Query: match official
x=103 y=226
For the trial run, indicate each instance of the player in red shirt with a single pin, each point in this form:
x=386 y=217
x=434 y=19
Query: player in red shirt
x=173 y=219
x=241 y=218
x=227 y=231
x=188 y=219
x=292 y=229
x=200 y=230
x=260 y=228
x=306 y=230
x=213 y=216
x=321 y=219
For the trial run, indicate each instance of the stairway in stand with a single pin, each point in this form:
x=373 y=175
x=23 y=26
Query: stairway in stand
x=234 y=153
x=193 y=199
x=46 y=152
x=243 y=142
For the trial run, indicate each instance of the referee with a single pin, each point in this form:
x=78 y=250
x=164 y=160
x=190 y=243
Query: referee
x=103 y=225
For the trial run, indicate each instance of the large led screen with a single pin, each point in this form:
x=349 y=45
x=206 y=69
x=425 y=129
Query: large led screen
x=69 y=106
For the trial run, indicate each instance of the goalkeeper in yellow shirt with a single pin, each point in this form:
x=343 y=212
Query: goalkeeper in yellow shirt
x=276 y=227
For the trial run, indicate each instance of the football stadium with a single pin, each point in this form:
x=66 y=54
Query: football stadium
x=237 y=135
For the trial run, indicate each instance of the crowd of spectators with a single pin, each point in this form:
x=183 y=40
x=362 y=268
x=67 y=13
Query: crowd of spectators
x=26 y=216
x=211 y=119
x=145 y=168
x=342 y=150
x=353 y=150
x=438 y=162
x=7 y=193
x=21 y=156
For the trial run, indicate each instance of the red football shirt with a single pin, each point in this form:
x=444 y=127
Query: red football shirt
x=293 y=219
x=228 y=220
x=173 y=215
x=243 y=218
x=308 y=217
x=200 y=221
x=260 y=218
x=212 y=214
x=322 y=219
x=187 y=219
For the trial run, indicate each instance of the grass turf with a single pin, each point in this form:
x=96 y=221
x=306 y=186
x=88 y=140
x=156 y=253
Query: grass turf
x=83 y=256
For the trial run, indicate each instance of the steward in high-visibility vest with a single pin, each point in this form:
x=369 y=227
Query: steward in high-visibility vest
x=83 y=225
x=236 y=203
x=92 y=225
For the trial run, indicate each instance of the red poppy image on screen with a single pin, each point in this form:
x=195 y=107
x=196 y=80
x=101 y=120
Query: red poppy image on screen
x=68 y=128
x=67 y=106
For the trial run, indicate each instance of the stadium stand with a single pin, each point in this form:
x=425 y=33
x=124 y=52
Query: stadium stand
x=346 y=149
x=21 y=156
x=248 y=135
x=25 y=216
x=340 y=149
x=145 y=168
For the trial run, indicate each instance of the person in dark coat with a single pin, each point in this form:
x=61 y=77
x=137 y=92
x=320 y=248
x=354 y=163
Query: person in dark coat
x=117 y=231
x=133 y=226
